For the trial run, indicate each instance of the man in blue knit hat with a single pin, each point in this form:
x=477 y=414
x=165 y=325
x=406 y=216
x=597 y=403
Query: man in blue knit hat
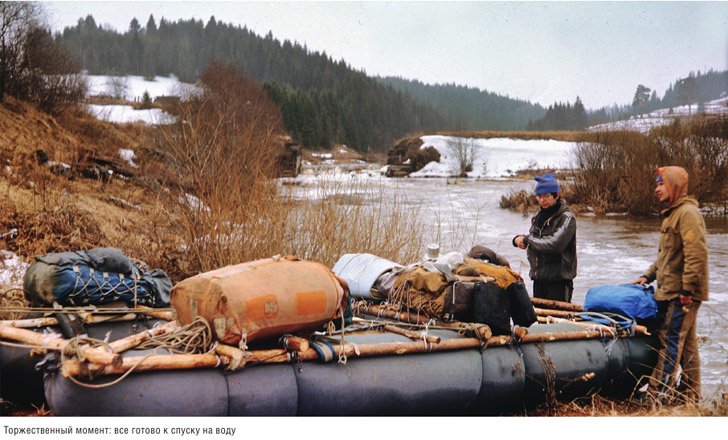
x=551 y=243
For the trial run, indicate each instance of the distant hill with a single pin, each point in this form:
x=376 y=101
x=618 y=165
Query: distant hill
x=469 y=108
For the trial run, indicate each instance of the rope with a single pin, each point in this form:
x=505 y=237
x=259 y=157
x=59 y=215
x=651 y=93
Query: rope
x=12 y=304
x=195 y=337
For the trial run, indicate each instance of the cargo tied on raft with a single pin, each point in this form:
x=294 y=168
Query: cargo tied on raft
x=242 y=339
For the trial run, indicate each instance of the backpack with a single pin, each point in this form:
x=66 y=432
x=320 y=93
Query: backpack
x=630 y=300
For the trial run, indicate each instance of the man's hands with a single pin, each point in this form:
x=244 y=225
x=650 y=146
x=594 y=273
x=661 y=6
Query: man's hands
x=518 y=241
x=641 y=281
x=686 y=297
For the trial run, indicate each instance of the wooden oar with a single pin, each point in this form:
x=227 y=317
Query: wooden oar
x=95 y=355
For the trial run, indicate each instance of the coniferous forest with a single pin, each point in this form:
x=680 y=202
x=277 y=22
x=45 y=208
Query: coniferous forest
x=324 y=101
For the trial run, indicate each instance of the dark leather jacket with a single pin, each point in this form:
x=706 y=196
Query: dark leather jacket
x=551 y=248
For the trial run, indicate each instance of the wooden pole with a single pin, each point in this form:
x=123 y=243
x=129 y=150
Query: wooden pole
x=73 y=367
x=547 y=337
x=295 y=343
x=558 y=305
x=90 y=318
x=411 y=334
x=557 y=313
x=30 y=323
x=133 y=340
x=95 y=355
x=639 y=329
x=400 y=331
x=595 y=325
x=384 y=311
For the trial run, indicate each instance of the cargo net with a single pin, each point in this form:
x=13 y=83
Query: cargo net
x=94 y=287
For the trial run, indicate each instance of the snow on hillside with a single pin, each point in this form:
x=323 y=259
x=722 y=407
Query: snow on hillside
x=132 y=88
x=496 y=157
x=657 y=118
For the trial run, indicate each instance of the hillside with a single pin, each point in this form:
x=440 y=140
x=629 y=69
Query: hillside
x=65 y=185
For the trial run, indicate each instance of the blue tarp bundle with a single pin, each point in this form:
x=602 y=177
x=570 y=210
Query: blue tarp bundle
x=97 y=276
x=629 y=300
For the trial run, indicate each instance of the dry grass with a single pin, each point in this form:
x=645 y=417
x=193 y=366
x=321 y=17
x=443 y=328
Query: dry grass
x=599 y=406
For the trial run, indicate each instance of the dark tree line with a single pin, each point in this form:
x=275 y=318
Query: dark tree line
x=562 y=117
x=469 y=108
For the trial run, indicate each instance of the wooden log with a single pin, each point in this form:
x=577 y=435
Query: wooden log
x=385 y=312
x=400 y=331
x=237 y=357
x=556 y=313
x=472 y=279
x=95 y=355
x=91 y=318
x=639 y=329
x=547 y=337
x=594 y=325
x=31 y=323
x=133 y=340
x=73 y=367
x=558 y=305
x=167 y=315
x=412 y=334
x=295 y=343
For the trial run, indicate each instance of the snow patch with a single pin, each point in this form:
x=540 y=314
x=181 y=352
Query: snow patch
x=496 y=157
x=127 y=155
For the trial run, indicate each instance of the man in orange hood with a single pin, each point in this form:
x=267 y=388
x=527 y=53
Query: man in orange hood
x=681 y=271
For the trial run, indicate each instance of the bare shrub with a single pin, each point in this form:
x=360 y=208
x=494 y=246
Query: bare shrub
x=229 y=207
x=223 y=149
x=117 y=87
x=463 y=149
x=617 y=169
x=33 y=66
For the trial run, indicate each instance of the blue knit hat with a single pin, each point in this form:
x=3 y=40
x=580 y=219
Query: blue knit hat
x=547 y=184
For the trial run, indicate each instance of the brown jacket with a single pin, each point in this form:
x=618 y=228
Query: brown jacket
x=682 y=258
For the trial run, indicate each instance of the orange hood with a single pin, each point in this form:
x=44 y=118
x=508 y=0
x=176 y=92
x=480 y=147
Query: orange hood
x=676 y=181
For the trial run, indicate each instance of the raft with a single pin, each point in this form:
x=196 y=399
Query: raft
x=495 y=380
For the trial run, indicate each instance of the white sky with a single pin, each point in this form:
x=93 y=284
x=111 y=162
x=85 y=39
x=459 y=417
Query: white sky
x=542 y=52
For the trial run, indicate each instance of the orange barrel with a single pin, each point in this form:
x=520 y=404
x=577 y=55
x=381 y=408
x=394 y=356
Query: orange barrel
x=261 y=299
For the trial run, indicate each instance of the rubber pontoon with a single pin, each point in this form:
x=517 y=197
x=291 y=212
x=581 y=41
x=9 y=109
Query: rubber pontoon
x=497 y=380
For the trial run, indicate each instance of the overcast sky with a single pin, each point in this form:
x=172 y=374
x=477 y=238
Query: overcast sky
x=543 y=52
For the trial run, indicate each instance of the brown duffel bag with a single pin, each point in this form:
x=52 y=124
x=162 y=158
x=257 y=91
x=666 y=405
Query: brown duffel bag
x=260 y=299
